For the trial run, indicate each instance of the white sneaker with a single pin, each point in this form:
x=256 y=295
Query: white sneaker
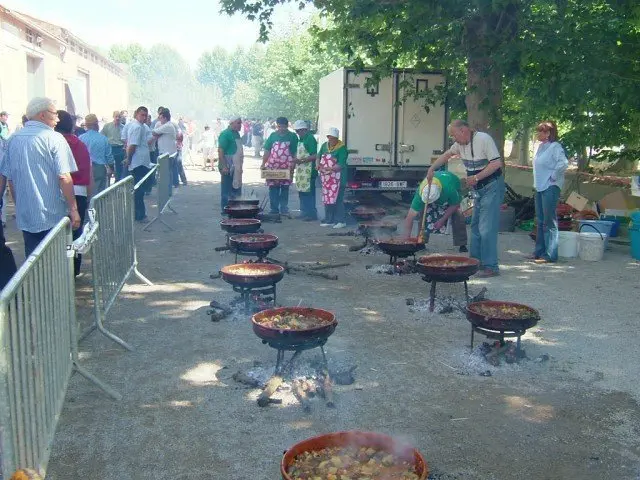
x=326 y=224
x=340 y=225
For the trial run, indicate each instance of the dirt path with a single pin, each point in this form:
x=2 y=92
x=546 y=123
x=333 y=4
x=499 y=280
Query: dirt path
x=575 y=416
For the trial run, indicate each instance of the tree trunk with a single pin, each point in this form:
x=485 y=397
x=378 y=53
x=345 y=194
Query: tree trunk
x=514 y=155
x=523 y=145
x=484 y=98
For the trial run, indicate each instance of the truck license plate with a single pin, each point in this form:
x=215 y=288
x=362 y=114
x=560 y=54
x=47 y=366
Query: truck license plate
x=392 y=184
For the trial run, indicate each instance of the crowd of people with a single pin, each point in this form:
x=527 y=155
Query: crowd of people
x=52 y=163
x=53 y=166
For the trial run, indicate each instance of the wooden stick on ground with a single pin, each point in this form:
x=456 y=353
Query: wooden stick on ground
x=291 y=268
x=245 y=379
x=300 y=393
x=270 y=388
x=328 y=265
x=327 y=386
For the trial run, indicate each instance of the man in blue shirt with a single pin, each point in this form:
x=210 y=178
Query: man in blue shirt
x=99 y=151
x=38 y=162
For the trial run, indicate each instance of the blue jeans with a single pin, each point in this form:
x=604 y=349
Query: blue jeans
x=308 y=201
x=547 y=233
x=138 y=197
x=279 y=199
x=118 y=156
x=486 y=223
x=227 y=191
x=335 y=213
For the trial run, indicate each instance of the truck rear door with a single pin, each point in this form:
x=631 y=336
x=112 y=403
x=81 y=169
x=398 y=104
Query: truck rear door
x=369 y=122
x=420 y=135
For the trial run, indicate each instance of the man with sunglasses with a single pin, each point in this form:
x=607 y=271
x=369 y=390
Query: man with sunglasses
x=38 y=162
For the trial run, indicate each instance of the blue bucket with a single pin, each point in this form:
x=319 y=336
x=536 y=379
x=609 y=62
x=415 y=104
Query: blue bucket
x=602 y=226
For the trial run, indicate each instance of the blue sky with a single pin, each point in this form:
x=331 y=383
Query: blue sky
x=191 y=26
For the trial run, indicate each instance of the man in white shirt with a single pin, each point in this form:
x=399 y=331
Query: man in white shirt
x=165 y=133
x=138 y=159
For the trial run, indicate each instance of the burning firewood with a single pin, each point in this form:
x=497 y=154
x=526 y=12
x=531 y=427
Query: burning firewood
x=299 y=392
x=328 y=390
x=270 y=388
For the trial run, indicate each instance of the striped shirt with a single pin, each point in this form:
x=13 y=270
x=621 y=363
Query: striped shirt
x=476 y=154
x=98 y=146
x=36 y=156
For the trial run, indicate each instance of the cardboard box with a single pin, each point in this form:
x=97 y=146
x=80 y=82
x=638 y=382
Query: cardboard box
x=577 y=201
x=276 y=174
x=615 y=201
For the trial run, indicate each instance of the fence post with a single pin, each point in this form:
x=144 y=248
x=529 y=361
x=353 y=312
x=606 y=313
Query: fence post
x=114 y=255
x=38 y=352
x=164 y=189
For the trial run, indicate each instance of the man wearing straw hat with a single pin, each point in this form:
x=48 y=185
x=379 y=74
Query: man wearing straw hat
x=443 y=199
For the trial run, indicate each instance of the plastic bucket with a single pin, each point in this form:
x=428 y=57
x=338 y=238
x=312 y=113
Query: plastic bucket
x=591 y=244
x=602 y=226
x=634 y=234
x=568 y=244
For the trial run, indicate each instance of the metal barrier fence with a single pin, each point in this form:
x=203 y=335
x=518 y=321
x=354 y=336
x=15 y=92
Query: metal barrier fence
x=164 y=188
x=114 y=256
x=38 y=352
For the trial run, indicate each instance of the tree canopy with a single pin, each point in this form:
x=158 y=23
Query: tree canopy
x=514 y=62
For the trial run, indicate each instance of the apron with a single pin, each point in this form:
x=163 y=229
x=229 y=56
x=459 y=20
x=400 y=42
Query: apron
x=434 y=213
x=279 y=158
x=330 y=181
x=237 y=161
x=303 y=172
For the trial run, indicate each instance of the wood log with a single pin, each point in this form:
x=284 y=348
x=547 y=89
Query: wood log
x=292 y=268
x=270 y=388
x=241 y=377
x=328 y=265
x=328 y=390
x=301 y=395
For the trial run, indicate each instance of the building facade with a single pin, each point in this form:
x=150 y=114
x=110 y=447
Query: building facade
x=38 y=58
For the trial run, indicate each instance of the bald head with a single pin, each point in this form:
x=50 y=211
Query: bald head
x=460 y=131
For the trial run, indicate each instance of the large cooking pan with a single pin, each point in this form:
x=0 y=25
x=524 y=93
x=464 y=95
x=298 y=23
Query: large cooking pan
x=357 y=439
x=502 y=316
x=242 y=211
x=400 y=247
x=240 y=225
x=363 y=213
x=447 y=268
x=290 y=337
x=253 y=242
x=252 y=275
x=253 y=202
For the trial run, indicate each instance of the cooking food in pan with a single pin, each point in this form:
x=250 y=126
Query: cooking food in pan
x=293 y=321
x=503 y=311
x=351 y=463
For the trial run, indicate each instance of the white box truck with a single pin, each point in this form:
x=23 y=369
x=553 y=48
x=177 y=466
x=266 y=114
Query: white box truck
x=391 y=142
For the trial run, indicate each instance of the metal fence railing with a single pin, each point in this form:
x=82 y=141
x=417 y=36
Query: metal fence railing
x=38 y=352
x=164 y=189
x=114 y=257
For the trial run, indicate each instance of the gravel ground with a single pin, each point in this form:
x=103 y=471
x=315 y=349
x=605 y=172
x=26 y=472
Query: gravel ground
x=575 y=416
